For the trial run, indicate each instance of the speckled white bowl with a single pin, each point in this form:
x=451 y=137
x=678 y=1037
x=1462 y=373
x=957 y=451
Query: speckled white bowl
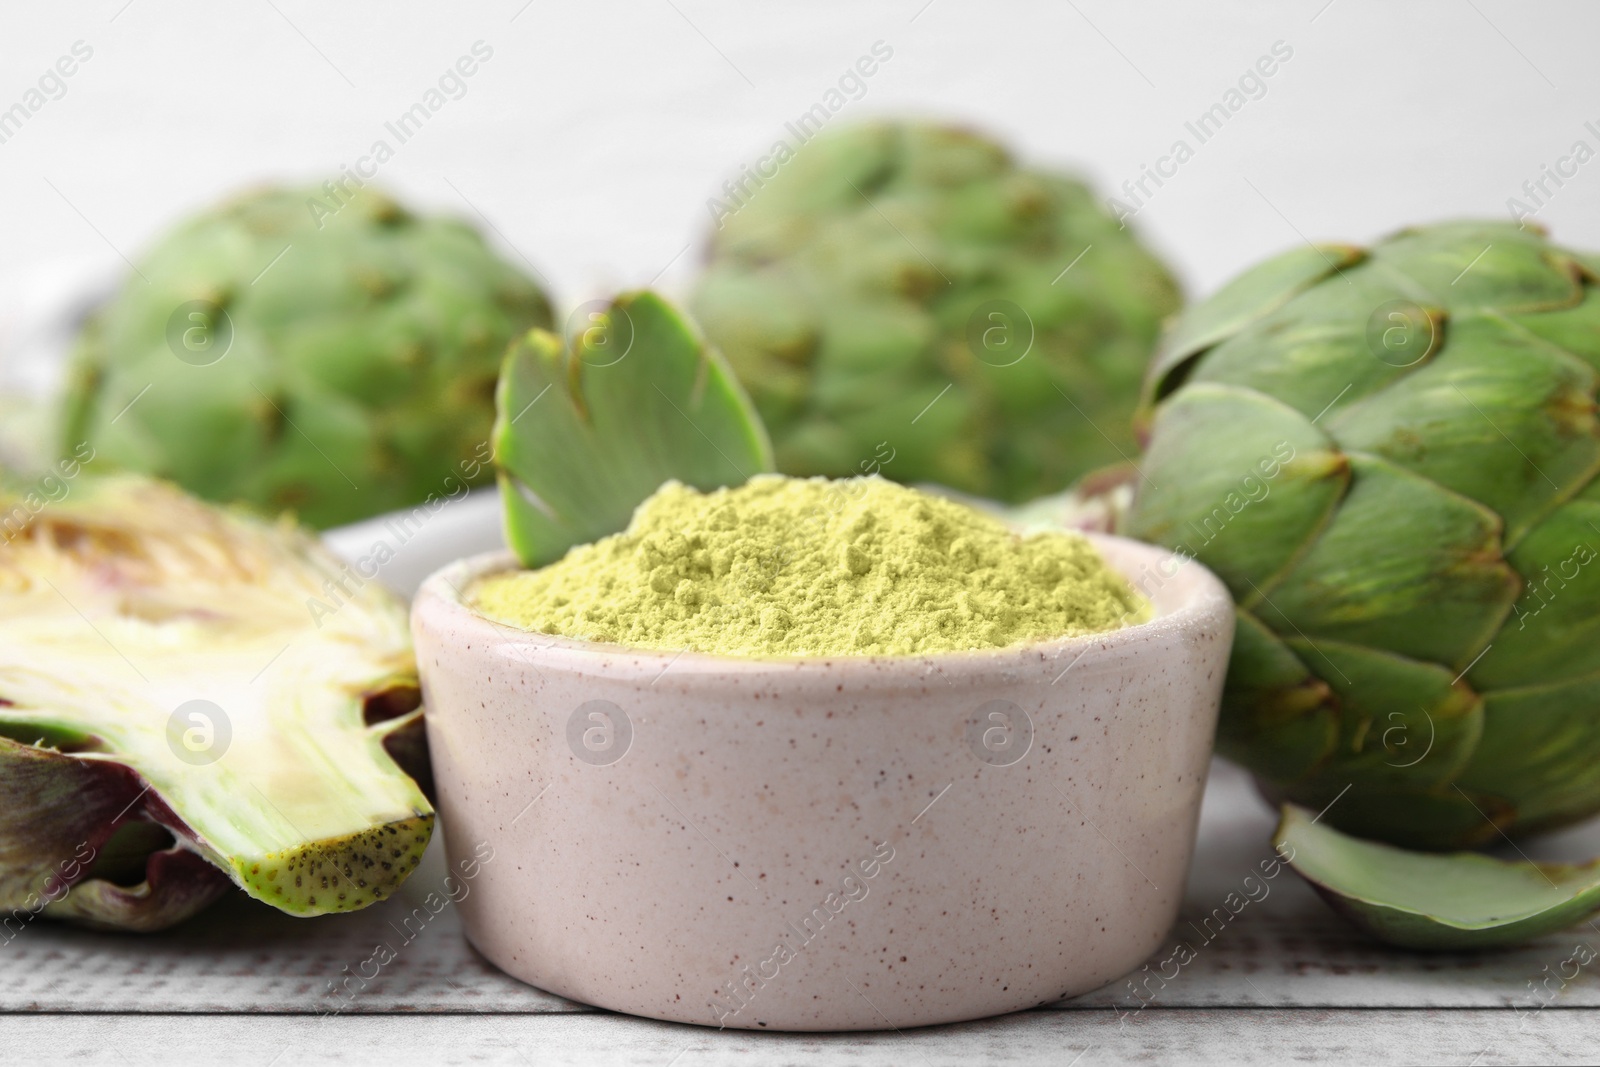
x=823 y=844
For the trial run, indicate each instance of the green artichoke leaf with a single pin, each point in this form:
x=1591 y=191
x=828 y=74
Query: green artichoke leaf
x=1405 y=565
x=1449 y=422
x=1271 y=694
x=828 y=178
x=1575 y=330
x=201 y=681
x=637 y=398
x=1218 y=455
x=1554 y=625
x=1477 y=264
x=871 y=344
x=1449 y=902
x=1239 y=303
x=1331 y=345
x=1404 y=725
x=903 y=450
x=1540 y=753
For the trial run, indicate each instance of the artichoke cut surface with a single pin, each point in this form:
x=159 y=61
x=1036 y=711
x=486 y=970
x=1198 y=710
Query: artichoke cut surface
x=1430 y=901
x=169 y=666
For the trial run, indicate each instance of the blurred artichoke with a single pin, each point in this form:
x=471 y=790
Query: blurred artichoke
x=1390 y=456
x=326 y=353
x=904 y=298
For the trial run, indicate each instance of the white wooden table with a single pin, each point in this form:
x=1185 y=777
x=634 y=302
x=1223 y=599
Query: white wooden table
x=1285 y=980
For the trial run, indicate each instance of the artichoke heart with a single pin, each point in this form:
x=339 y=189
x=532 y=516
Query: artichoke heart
x=186 y=699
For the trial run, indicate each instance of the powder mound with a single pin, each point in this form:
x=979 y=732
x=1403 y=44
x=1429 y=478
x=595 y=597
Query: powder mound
x=812 y=567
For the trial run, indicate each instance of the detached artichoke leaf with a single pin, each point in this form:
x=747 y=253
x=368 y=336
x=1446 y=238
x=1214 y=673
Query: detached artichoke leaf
x=167 y=664
x=176 y=883
x=1095 y=503
x=1445 y=902
x=636 y=399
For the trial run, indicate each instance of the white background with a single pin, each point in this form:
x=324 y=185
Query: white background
x=594 y=136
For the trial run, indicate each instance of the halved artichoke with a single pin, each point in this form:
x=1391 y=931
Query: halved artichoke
x=191 y=696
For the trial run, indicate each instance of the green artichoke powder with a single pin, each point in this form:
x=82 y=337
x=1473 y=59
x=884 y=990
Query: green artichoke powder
x=811 y=567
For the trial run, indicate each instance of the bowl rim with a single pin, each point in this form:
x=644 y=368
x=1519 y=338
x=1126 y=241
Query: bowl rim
x=1193 y=596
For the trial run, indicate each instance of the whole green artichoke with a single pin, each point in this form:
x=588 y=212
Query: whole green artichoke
x=1390 y=456
x=328 y=353
x=904 y=298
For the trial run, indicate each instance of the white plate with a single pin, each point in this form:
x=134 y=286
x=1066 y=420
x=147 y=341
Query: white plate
x=402 y=548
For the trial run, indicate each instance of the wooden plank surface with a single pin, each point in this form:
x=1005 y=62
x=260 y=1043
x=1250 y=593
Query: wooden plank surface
x=1274 y=971
x=1065 y=1039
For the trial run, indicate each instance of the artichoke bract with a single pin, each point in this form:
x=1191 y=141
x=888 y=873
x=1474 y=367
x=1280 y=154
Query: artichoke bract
x=1423 y=900
x=332 y=354
x=905 y=299
x=590 y=426
x=1390 y=456
x=190 y=698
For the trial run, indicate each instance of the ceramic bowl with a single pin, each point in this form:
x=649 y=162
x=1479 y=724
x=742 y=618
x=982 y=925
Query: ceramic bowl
x=850 y=843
